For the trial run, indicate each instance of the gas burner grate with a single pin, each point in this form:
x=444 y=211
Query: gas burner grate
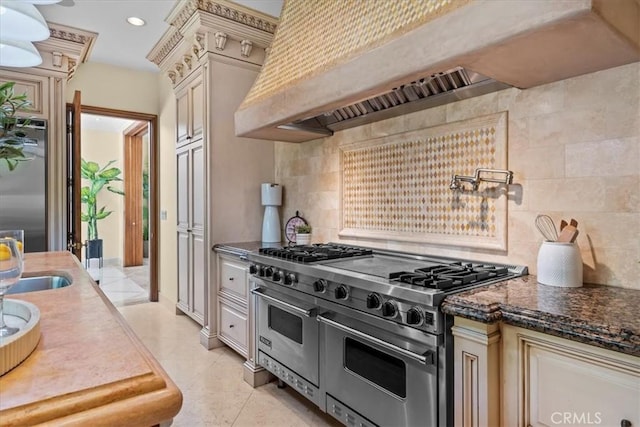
x=314 y=253
x=450 y=275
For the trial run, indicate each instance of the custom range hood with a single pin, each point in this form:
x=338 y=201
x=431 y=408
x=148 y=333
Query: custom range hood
x=335 y=64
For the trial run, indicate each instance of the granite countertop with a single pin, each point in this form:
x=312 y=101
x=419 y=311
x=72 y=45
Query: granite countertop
x=239 y=249
x=88 y=368
x=603 y=316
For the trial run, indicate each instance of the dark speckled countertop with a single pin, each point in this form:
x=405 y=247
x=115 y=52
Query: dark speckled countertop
x=603 y=316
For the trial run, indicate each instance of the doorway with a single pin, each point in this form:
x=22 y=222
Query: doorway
x=126 y=141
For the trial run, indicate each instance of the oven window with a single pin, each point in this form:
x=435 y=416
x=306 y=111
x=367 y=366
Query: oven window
x=380 y=368
x=285 y=324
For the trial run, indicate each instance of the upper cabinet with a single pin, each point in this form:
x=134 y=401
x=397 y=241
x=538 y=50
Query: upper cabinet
x=190 y=111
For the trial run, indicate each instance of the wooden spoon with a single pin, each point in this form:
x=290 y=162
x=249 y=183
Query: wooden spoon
x=573 y=222
x=568 y=234
x=563 y=224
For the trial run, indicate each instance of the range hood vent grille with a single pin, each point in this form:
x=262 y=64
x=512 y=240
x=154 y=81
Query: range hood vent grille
x=437 y=89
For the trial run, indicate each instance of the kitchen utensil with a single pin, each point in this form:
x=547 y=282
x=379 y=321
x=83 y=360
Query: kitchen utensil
x=568 y=234
x=573 y=222
x=563 y=224
x=546 y=227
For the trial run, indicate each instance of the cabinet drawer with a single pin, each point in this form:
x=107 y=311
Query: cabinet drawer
x=233 y=278
x=233 y=327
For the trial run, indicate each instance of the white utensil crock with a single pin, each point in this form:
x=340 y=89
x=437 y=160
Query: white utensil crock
x=560 y=264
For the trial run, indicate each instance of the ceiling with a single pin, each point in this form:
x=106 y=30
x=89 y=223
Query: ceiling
x=119 y=43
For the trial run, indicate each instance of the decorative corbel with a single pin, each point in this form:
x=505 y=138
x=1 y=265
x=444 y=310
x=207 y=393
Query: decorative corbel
x=245 y=48
x=221 y=40
x=57 y=59
x=199 y=46
x=172 y=76
x=187 y=61
x=180 y=69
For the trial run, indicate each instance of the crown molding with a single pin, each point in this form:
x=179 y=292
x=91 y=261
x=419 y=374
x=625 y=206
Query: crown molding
x=216 y=27
x=65 y=49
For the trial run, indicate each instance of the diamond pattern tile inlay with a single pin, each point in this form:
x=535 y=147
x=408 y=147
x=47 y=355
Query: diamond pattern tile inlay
x=400 y=184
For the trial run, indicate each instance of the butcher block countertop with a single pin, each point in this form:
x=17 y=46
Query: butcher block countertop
x=604 y=316
x=89 y=368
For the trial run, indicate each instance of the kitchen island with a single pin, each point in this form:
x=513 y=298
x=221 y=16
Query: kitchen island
x=89 y=368
x=531 y=354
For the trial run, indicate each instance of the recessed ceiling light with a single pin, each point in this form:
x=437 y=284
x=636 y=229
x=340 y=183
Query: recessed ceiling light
x=135 y=21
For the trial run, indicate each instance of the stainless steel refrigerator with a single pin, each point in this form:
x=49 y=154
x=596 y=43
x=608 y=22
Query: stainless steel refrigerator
x=23 y=191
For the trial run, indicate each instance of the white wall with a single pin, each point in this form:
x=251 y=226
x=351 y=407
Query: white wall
x=102 y=147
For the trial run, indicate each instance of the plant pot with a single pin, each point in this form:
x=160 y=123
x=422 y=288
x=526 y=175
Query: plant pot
x=303 y=239
x=93 y=248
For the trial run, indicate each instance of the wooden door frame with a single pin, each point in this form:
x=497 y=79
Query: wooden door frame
x=154 y=162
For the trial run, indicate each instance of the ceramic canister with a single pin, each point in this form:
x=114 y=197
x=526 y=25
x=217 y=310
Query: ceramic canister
x=560 y=264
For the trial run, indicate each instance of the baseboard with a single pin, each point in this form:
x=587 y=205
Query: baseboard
x=209 y=340
x=256 y=375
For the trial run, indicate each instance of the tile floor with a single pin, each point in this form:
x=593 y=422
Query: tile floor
x=214 y=393
x=124 y=285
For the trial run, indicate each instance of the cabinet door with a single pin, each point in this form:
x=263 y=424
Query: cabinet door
x=182 y=117
x=233 y=326
x=198 y=186
x=183 y=185
x=183 y=271
x=560 y=382
x=199 y=274
x=197 y=108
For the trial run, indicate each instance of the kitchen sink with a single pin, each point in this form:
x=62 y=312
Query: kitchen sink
x=39 y=283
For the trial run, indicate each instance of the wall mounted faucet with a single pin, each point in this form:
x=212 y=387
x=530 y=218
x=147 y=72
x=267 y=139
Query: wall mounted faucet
x=457 y=180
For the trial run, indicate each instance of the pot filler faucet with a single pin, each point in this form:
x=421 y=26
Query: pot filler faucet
x=457 y=180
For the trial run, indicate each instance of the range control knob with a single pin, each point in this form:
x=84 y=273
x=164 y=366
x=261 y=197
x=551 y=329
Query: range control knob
x=268 y=271
x=277 y=275
x=341 y=292
x=414 y=316
x=253 y=269
x=320 y=285
x=389 y=309
x=290 y=279
x=261 y=271
x=374 y=301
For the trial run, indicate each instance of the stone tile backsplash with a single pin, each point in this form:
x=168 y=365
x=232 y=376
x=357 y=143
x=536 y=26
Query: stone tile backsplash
x=574 y=148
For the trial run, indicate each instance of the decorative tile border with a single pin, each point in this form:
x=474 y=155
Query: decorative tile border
x=397 y=187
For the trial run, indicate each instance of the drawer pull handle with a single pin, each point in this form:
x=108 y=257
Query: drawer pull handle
x=231 y=326
x=625 y=423
x=231 y=279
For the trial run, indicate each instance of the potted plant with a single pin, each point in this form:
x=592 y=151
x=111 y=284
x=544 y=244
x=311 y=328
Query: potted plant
x=11 y=136
x=98 y=177
x=303 y=234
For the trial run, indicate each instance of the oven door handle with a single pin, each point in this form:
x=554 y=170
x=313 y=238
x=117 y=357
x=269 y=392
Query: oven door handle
x=427 y=359
x=260 y=293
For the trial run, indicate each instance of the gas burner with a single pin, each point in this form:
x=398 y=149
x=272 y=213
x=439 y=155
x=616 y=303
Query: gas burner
x=315 y=253
x=448 y=276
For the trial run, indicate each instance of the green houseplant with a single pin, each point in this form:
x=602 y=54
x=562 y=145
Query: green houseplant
x=303 y=234
x=98 y=178
x=11 y=136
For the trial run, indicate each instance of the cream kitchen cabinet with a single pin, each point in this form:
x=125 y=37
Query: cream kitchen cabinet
x=553 y=381
x=191 y=211
x=510 y=376
x=236 y=313
x=233 y=313
x=190 y=111
x=212 y=57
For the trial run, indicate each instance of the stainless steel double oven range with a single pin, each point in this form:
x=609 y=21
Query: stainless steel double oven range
x=358 y=330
